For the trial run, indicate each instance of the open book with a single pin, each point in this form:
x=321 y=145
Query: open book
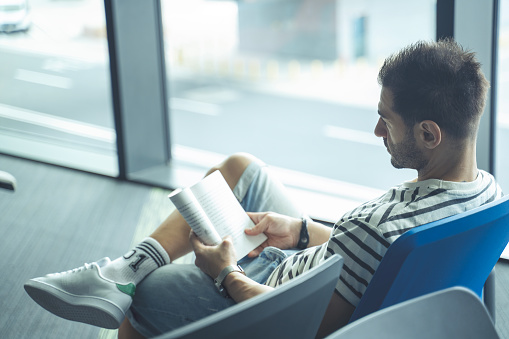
x=213 y=212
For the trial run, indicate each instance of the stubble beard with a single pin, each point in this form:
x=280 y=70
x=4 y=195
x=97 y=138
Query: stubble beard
x=405 y=154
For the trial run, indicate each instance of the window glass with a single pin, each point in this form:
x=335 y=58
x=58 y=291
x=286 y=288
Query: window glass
x=293 y=82
x=502 y=127
x=55 y=96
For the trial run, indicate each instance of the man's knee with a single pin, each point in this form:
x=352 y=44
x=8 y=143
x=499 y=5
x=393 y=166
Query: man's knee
x=169 y=284
x=233 y=167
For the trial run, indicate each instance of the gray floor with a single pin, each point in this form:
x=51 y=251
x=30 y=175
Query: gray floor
x=59 y=218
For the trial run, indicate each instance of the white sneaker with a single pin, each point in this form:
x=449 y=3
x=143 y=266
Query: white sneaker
x=83 y=294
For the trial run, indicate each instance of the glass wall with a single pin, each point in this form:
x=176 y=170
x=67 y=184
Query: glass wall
x=291 y=81
x=55 y=96
x=502 y=127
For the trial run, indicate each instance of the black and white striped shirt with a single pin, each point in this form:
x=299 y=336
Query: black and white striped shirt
x=363 y=235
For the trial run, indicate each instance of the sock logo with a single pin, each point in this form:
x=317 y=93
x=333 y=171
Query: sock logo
x=135 y=265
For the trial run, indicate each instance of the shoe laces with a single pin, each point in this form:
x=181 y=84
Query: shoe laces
x=78 y=269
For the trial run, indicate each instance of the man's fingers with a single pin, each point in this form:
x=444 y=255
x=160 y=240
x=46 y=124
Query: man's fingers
x=254 y=253
x=259 y=227
x=194 y=240
x=196 y=243
x=257 y=217
x=227 y=241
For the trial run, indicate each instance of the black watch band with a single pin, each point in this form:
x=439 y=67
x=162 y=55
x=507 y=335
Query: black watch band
x=304 y=235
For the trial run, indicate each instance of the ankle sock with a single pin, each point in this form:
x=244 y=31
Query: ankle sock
x=136 y=264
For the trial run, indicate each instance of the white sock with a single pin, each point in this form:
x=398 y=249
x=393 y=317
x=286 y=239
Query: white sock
x=136 y=264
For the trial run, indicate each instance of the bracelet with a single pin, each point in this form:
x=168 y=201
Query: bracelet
x=304 y=235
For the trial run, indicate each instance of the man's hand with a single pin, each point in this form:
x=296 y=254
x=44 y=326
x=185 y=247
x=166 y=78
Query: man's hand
x=212 y=259
x=281 y=231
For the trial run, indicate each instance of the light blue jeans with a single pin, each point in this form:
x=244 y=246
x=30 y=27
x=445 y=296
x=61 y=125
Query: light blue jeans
x=176 y=295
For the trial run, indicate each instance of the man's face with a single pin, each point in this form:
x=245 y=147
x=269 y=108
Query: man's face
x=398 y=138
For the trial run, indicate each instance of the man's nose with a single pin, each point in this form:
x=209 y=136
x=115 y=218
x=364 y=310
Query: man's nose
x=380 y=129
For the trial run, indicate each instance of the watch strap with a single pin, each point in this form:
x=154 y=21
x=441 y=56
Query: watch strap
x=223 y=274
x=304 y=235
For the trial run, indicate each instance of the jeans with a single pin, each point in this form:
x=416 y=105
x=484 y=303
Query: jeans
x=176 y=295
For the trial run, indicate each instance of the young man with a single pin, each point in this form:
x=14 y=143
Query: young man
x=431 y=102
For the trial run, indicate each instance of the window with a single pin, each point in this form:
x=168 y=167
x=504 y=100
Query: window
x=55 y=96
x=502 y=127
x=291 y=81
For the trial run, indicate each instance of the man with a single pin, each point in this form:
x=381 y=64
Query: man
x=431 y=102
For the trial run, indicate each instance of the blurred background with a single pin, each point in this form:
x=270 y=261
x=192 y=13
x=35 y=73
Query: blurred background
x=291 y=81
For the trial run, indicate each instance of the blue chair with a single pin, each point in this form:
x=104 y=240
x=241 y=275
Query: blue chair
x=293 y=310
x=460 y=250
x=455 y=312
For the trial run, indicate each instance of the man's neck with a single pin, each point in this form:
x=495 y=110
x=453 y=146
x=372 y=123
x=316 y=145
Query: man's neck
x=455 y=165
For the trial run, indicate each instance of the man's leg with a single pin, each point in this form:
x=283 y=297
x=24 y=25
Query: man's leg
x=176 y=295
x=172 y=236
x=173 y=233
x=101 y=292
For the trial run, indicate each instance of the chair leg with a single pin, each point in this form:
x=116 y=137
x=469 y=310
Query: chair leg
x=489 y=294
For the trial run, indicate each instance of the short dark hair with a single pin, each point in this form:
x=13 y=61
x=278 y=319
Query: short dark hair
x=438 y=81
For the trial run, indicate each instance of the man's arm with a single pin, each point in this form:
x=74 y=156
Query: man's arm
x=283 y=231
x=318 y=233
x=240 y=287
x=213 y=259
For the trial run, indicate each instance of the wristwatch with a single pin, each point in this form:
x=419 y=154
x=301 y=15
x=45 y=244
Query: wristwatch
x=304 y=235
x=220 y=278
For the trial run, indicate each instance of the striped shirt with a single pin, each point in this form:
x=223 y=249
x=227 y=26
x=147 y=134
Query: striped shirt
x=363 y=235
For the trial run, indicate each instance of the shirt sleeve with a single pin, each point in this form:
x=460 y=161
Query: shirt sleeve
x=362 y=247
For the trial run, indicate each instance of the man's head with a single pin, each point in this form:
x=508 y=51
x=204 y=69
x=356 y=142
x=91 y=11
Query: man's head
x=437 y=81
x=429 y=90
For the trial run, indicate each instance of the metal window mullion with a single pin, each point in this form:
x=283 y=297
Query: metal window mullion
x=138 y=79
x=475 y=27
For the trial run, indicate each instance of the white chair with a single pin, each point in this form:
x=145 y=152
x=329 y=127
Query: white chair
x=455 y=312
x=293 y=310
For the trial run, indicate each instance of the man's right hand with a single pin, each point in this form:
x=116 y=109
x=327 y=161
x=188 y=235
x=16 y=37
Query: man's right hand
x=281 y=231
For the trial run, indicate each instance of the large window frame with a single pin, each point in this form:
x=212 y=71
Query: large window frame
x=137 y=57
x=141 y=99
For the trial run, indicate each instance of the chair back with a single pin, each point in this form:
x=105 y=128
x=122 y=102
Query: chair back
x=460 y=250
x=455 y=312
x=293 y=310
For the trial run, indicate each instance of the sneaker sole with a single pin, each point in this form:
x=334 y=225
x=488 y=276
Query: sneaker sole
x=88 y=310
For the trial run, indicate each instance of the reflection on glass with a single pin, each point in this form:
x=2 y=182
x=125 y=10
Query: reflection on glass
x=291 y=81
x=502 y=130
x=55 y=96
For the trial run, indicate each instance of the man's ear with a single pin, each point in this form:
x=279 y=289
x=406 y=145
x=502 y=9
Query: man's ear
x=429 y=134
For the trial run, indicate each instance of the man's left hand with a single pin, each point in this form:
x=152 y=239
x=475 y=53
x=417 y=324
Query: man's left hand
x=212 y=259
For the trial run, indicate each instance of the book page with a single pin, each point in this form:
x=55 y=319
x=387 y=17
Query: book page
x=226 y=213
x=194 y=215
